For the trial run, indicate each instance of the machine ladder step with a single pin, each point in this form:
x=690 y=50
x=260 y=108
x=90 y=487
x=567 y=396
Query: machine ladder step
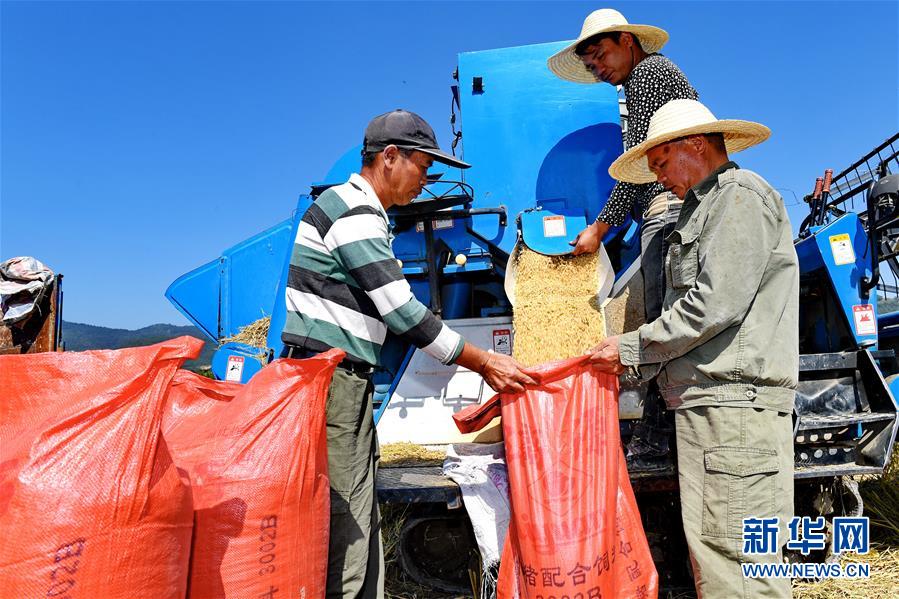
x=834 y=470
x=814 y=421
x=417 y=484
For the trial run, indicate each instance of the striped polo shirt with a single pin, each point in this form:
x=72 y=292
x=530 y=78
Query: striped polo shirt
x=345 y=288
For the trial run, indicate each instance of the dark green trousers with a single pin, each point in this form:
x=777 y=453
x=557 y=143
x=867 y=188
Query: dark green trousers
x=733 y=463
x=355 y=555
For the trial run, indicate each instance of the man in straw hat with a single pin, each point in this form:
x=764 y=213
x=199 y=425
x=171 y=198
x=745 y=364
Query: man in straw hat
x=346 y=290
x=611 y=50
x=726 y=346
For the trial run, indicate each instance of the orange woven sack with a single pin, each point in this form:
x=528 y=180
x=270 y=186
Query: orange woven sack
x=575 y=529
x=91 y=504
x=256 y=455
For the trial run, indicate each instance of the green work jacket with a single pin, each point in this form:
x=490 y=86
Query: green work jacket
x=729 y=330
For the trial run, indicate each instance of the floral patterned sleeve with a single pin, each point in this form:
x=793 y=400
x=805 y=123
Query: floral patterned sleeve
x=653 y=83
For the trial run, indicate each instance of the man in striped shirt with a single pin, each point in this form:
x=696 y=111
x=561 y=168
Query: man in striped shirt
x=346 y=290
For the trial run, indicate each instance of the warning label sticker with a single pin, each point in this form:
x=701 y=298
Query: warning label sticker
x=841 y=246
x=554 y=226
x=502 y=341
x=865 y=323
x=235 y=368
x=443 y=223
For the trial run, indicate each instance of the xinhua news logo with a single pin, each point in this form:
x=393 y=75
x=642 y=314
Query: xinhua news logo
x=761 y=537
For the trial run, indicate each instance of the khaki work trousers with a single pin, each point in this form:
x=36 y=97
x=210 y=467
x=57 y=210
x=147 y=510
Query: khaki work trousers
x=355 y=555
x=733 y=463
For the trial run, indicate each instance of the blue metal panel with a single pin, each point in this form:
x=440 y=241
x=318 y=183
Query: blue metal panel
x=236 y=289
x=531 y=136
x=845 y=278
x=196 y=295
x=476 y=264
x=251 y=274
x=809 y=255
x=538 y=234
x=248 y=358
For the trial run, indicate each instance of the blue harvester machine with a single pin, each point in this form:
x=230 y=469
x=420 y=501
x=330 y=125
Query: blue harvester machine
x=540 y=148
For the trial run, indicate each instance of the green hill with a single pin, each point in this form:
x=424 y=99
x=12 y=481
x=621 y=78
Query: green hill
x=81 y=337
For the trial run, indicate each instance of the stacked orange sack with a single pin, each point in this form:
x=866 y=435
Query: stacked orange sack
x=256 y=455
x=575 y=529
x=91 y=504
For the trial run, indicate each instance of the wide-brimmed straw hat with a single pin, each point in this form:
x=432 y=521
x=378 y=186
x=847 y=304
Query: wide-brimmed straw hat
x=568 y=65
x=680 y=118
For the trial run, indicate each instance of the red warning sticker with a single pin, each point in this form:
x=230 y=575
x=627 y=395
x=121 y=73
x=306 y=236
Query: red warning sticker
x=502 y=341
x=235 y=368
x=865 y=322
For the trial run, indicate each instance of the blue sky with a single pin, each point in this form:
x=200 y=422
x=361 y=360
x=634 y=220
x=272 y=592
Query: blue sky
x=139 y=140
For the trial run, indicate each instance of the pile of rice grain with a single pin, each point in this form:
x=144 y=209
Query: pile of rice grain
x=556 y=313
x=253 y=334
x=395 y=455
x=884 y=579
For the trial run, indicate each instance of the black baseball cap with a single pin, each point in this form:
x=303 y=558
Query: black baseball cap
x=408 y=131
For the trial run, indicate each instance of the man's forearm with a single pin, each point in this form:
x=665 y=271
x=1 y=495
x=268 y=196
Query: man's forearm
x=473 y=358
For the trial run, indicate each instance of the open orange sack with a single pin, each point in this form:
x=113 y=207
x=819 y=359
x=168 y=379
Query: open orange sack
x=575 y=529
x=91 y=504
x=256 y=455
